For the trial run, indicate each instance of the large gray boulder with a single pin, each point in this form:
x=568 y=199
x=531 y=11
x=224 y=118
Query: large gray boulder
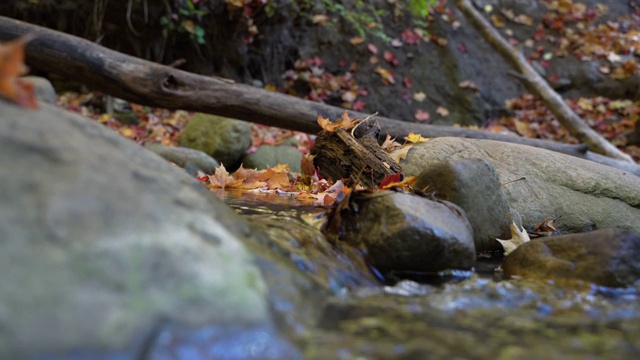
x=585 y=195
x=224 y=139
x=101 y=238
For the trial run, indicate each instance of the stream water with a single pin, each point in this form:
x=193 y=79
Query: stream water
x=477 y=315
x=330 y=305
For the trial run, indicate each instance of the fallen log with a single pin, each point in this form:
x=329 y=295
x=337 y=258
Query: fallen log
x=152 y=84
x=539 y=86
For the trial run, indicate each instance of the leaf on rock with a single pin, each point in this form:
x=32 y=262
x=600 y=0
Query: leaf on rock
x=11 y=68
x=415 y=138
x=518 y=237
x=390 y=144
x=393 y=182
x=344 y=123
x=400 y=154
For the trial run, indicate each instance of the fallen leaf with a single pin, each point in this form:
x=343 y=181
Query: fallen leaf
x=546 y=225
x=395 y=43
x=407 y=82
x=221 y=178
x=386 y=75
x=356 y=40
x=497 y=21
x=410 y=37
x=415 y=138
x=390 y=57
x=389 y=144
x=359 y=105
x=320 y=19
x=442 y=111
x=11 y=68
x=419 y=96
x=372 y=48
x=518 y=237
x=401 y=153
x=422 y=115
x=406 y=184
x=345 y=122
x=468 y=84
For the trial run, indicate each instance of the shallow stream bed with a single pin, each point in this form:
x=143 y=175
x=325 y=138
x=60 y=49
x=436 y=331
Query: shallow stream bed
x=476 y=315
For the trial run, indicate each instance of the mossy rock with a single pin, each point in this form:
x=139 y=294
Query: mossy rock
x=226 y=140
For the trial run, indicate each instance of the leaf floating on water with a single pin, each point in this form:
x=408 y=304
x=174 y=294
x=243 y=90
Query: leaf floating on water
x=518 y=237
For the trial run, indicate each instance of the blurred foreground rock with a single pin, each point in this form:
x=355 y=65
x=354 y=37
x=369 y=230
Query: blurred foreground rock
x=102 y=239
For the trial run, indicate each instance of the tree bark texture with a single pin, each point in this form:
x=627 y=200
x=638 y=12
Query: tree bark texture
x=360 y=158
x=152 y=84
x=540 y=87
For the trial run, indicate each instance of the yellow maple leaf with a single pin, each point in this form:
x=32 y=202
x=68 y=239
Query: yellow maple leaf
x=415 y=138
x=400 y=153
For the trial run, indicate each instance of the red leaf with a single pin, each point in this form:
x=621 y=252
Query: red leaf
x=393 y=178
x=407 y=82
x=359 y=105
x=390 y=58
x=410 y=37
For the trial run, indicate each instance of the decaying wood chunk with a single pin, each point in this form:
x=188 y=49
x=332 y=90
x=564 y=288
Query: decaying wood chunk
x=358 y=157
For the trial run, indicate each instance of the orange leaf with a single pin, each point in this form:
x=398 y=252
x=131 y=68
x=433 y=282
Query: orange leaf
x=11 y=68
x=415 y=138
x=345 y=123
x=222 y=179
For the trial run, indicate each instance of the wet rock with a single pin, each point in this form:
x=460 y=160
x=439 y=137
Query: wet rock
x=43 y=88
x=585 y=195
x=474 y=185
x=101 y=239
x=609 y=257
x=268 y=156
x=189 y=159
x=226 y=140
x=405 y=232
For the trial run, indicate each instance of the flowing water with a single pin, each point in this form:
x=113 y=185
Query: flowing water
x=475 y=315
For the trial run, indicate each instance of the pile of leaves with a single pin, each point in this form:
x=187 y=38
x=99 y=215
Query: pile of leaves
x=616 y=120
x=148 y=124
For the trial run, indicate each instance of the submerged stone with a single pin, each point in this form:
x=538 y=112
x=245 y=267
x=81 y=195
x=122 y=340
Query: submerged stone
x=609 y=257
x=402 y=232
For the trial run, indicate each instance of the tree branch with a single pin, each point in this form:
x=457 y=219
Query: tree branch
x=151 y=84
x=540 y=87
